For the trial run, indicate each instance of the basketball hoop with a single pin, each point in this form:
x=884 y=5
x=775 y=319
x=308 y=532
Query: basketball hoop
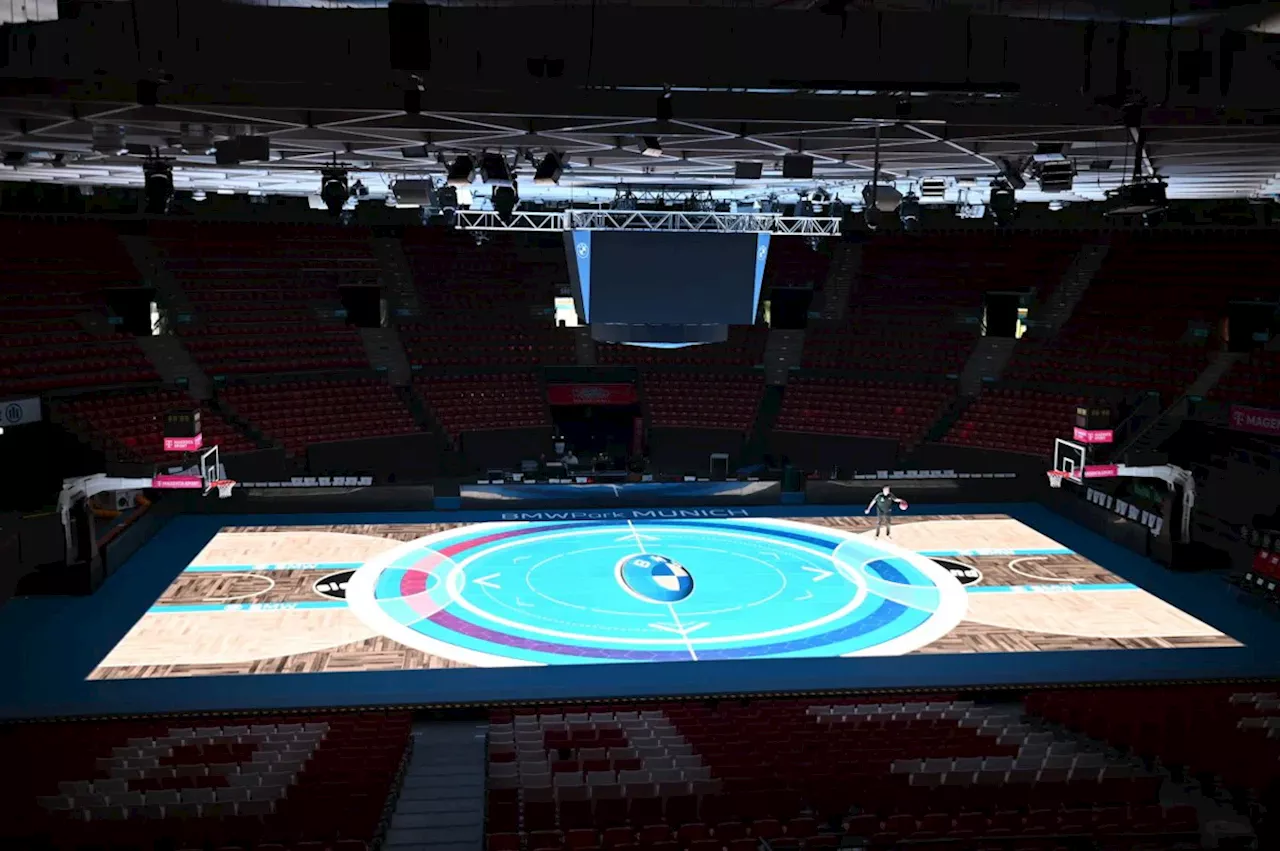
x=224 y=487
x=1055 y=478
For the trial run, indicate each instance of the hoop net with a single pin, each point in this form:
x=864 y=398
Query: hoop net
x=1055 y=478
x=224 y=487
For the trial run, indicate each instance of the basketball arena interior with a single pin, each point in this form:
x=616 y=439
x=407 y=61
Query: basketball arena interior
x=775 y=425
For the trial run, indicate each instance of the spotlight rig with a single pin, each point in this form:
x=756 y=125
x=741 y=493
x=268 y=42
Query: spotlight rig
x=157 y=176
x=334 y=191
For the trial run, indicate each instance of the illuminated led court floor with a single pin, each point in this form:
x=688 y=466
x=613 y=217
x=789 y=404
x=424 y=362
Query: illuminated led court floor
x=432 y=608
x=295 y=599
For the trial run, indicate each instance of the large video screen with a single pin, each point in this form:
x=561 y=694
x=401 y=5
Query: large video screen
x=670 y=585
x=656 y=278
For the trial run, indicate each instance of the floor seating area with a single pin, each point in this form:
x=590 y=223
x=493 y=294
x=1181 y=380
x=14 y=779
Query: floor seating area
x=299 y=413
x=745 y=347
x=53 y=274
x=486 y=305
x=1012 y=420
x=700 y=400
x=911 y=292
x=131 y=424
x=233 y=783
x=864 y=408
x=1225 y=731
x=705 y=777
x=463 y=403
x=264 y=300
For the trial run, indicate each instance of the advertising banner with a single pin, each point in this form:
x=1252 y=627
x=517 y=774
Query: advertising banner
x=183 y=444
x=591 y=394
x=20 y=411
x=176 y=482
x=1101 y=471
x=1256 y=420
x=1093 y=435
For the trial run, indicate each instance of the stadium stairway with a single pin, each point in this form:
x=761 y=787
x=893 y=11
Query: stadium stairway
x=985 y=363
x=397 y=278
x=766 y=415
x=1149 y=439
x=440 y=806
x=169 y=294
x=1057 y=309
x=782 y=352
x=584 y=348
x=386 y=354
x=175 y=365
x=844 y=270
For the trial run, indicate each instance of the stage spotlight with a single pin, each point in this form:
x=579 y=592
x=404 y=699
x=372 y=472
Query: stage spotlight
x=549 y=170
x=505 y=199
x=333 y=189
x=1003 y=203
x=494 y=170
x=157 y=190
x=909 y=212
x=651 y=146
x=462 y=171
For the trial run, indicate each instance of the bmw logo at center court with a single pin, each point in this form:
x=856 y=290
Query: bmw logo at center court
x=654 y=578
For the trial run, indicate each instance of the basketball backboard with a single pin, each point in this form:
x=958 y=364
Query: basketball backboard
x=211 y=469
x=1070 y=458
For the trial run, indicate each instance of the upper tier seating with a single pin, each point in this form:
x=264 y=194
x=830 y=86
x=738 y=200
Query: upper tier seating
x=697 y=400
x=704 y=777
x=132 y=423
x=1254 y=381
x=478 y=402
x=52 y=274
x=902 y=412
x=1015 y=421
x=745 y=347
x=912 y=289
x=1128 y=330
x=488 y=305
x=794 y=263
x=257 y=292
x=201 y=782
x=299 y=413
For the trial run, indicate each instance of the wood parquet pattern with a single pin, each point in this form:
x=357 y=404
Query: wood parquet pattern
x=210 y=643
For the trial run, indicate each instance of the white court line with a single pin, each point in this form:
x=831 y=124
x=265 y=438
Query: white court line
x=271 y=586
x=1013 y=567
x=670 y=607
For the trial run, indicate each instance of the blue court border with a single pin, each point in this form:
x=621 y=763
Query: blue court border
x=53 y=643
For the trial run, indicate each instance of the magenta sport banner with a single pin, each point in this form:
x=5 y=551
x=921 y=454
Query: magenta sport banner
x=591 y=394
x=1256 y=420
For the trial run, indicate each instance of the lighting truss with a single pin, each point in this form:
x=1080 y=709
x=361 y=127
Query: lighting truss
x=652 y=220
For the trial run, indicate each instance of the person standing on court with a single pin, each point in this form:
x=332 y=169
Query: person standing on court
x=883 y=503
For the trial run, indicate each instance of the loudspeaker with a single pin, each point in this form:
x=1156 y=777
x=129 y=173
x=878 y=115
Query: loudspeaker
x=254 y=148
x=747 y=171
x=410 y=31
x=797 y=166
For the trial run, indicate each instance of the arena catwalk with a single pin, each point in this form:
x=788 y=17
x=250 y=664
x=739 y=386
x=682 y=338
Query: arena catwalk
x=399 y=597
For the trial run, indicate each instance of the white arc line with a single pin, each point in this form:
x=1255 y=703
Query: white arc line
x=680 y=630
x=1013 y=565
